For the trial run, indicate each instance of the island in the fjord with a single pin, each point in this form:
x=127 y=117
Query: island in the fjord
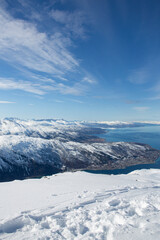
x=41 y=147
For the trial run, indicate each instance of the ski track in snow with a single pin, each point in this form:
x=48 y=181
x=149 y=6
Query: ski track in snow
x=128 y=207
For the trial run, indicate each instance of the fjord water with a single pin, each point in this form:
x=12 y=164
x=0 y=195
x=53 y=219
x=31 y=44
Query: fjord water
x=147 y=134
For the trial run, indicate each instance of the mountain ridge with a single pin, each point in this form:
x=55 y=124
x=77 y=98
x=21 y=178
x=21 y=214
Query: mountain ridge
x=37 y=148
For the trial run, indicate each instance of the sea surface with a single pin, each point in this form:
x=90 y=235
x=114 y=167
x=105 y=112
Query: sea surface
x=148 y=135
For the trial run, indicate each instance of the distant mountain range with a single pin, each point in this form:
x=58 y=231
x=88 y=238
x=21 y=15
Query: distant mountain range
x=35 y=148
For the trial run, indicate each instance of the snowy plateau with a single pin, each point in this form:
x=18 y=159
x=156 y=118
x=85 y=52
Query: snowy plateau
x=36 y=148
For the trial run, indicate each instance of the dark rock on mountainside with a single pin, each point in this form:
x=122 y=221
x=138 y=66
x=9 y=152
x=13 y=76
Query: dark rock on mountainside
x=37 y=148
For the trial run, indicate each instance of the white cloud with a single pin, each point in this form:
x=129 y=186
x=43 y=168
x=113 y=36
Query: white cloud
x=6 y=102
x=73 y=21
x=43 y=59
x=156 y=87
x=154 y=98
x=22 y=44
x=89 y=80
x=40 y=88
x=59 y=101
x=128 y=101
x=141 y=109
x=76 y=101
x=139 y=76
x=42 y=79
x=11 y=84
x=76 y=89
x=62 y=78
x=156 y=90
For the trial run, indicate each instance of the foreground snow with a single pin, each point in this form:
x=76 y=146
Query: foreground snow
x=82 y=206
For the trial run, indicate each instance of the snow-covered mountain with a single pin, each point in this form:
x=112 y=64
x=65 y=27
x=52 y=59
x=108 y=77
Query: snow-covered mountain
x=41 y=147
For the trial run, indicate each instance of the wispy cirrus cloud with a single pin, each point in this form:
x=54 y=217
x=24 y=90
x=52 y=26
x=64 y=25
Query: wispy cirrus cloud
x=77 y=89
x=41 y=88
x=6 y=102
x=89 y=80
x=157 y=97
x=155 y=90
x=128 y=101
x=44 y=58
x=138 y=76
x=22 y=44
x=74 y=21
x=141 y=109
x=76 y=101
x=59 y=101
x=12 y=84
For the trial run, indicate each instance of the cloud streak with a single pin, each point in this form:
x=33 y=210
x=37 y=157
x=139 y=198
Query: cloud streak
x=12 y=84
x=141 y=109
x=41 y=88
x=72 y=21
x=138 y=76
x=6 y=102
x=156 y=91
x=21 y=42
x=43 y=58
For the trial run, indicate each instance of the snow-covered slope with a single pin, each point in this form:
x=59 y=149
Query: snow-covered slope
x=82 y=206
x=44 y=128
x=42 y=147
x=22 y=156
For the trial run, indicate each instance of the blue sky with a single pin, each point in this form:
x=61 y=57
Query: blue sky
x=83 y=60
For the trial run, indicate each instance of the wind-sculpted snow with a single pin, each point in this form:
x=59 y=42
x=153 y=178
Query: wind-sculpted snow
x=37 y=148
